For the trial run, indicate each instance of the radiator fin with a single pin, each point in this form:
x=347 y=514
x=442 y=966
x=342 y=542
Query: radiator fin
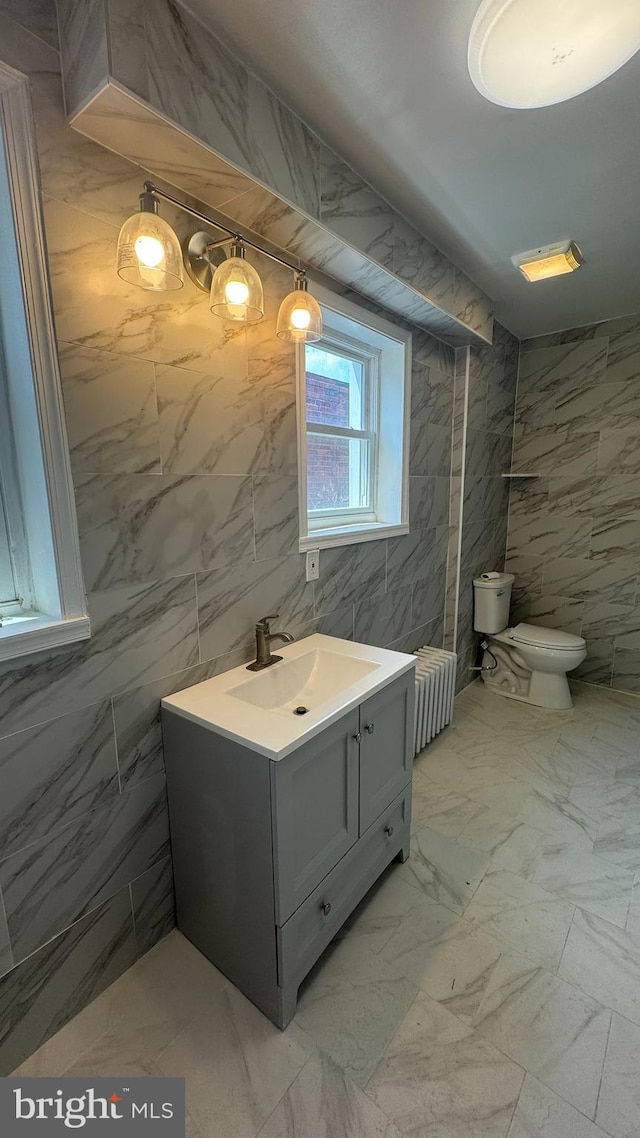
x=435 y=691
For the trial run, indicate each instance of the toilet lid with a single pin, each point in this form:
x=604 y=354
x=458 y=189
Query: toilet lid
x=545 y=637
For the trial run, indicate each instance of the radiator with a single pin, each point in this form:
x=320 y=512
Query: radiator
x=435 y=691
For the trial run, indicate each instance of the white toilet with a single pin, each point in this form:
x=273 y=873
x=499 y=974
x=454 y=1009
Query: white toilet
x=524 y=662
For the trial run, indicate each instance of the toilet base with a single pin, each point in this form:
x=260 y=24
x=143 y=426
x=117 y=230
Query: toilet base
x=505 y=672
x=543 y=690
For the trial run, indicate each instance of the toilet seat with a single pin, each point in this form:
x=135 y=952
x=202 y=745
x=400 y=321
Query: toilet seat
x=544 y=637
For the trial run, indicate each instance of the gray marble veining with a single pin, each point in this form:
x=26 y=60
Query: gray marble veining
x=418 y=262
x=353 y=210
x=232 y=599
x=232 y=111
x=83 y=47
x=428 y=501
x=588 y=377
x=585 y=579
x=47 y=990
x=136 y=719
x=54 y=773
x=551 y=536
x=153 y=902
x=139 y=633
x=383 y=619
x=439 y=1077
x=136 y=527
x=55 y=881
x=604 y=961
x=37 y=16
x=352 y=573
x=557 y=1033
x=431 y=394
x=549 y=369
x=6 y=955
x=542 y=1114
x=110 y=405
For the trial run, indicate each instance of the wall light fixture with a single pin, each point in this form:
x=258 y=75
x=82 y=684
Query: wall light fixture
x=149 y=253
x=149 y=256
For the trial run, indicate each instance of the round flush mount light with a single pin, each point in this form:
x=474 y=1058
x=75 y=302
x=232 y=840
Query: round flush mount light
x=533 y=53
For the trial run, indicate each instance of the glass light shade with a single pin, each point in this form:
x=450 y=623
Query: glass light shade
x=236 y=289
x=533 y=53
x=149 y=253
x=299 y=316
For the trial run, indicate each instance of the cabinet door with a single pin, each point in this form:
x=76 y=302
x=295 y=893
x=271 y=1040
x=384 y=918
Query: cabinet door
x=314 y=811
x=386 y=748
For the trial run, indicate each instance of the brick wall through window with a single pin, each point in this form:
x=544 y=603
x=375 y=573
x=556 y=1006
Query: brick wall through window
x=327 y=458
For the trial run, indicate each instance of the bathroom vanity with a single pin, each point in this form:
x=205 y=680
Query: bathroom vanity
x=289 y=794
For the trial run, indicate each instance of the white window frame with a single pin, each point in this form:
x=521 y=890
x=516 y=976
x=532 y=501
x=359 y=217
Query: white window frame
x=348 y=348
x=53 y=611
x=354 y=331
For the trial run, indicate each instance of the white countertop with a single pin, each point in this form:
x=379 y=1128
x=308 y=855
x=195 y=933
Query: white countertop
x=225 y=703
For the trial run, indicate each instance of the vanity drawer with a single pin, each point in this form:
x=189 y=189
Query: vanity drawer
x=307 y=933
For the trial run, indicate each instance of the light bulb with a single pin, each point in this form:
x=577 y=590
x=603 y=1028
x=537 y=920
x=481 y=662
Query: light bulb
x=236 y=292
x=149 y=251
x=300 y=318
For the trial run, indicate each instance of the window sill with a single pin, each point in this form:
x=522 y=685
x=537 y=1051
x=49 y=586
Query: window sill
x=22 y=635
x=350 y=535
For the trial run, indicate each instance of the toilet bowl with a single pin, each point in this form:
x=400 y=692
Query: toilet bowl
x=525 y=662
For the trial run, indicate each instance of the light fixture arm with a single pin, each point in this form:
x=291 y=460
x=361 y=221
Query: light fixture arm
x=233 y=235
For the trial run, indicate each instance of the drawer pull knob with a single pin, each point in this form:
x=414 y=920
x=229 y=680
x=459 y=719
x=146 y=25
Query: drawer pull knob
x=326 y=908
x=357 y=736
x=369 y=727
x=389 y=831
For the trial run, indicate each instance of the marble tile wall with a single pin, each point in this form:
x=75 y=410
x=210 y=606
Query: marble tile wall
x=182 y=438
x=574 y=533
x=161 y=53
x=482 y=443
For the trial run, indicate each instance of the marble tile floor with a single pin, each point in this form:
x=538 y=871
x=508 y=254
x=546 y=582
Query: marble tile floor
x=488 y=988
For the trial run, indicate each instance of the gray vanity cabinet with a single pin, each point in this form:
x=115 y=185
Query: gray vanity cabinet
x=272 y=855
x=386 y=757
x=314 y=794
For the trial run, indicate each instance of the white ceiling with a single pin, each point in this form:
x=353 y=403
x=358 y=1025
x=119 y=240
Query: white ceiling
x=386 y=84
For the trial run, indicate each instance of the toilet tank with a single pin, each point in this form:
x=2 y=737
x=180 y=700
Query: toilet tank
x=491 y=600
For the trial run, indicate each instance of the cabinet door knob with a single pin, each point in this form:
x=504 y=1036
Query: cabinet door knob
x=369 y=728
x=357 y=736
x=388 y=831
x=326 y=908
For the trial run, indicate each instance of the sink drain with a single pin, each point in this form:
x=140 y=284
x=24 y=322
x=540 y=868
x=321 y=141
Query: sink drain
x=300 y=710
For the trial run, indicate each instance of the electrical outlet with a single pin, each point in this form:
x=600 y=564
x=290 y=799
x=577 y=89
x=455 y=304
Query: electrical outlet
x=313 y=564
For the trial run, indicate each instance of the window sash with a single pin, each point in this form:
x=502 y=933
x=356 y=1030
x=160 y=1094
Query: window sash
x=350 y=348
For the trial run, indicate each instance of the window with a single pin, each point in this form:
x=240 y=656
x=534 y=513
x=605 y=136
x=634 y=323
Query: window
x=42 y=599
x=353 y=410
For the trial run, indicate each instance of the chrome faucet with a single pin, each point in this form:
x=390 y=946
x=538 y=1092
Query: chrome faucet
x=264 y=636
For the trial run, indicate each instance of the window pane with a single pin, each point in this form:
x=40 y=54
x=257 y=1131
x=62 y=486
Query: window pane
x=337 y=473
x=335 y=389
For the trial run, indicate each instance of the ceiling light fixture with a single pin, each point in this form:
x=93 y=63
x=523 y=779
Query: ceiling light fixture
x=549 y=261
x=149 y=256
x=534 y=53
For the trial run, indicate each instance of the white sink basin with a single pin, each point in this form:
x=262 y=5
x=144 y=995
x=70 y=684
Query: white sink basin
x=322 y=673
x=307 y=681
